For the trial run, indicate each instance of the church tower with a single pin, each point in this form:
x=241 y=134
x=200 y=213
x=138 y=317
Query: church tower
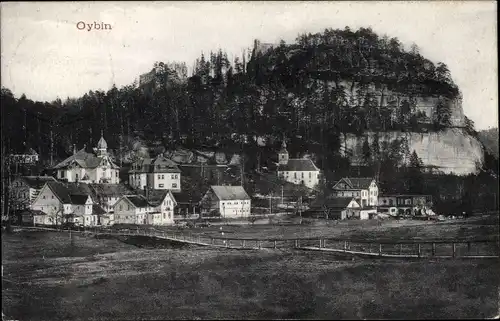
x=102 y=147
x=283 y=154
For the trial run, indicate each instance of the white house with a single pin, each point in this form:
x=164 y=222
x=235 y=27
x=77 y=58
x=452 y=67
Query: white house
x=24 y=189
x=86 y=167
x=59 y=203
x=139 y=209
x=297 y=170
x=364 y=190
x=228 y=201
x=156 y=173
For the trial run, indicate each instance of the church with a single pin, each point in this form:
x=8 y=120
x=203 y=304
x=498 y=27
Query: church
x=297 y=170
x=91 y=168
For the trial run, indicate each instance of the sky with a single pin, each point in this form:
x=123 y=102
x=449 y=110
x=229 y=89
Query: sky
x=44 y=54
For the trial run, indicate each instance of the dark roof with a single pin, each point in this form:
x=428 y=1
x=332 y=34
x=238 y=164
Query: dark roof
x=160 y=164
x=83 y=159
x=138 y=200
x=270 y=183
x=97 y=209
x=227 y=193
x=357 y=182
x=108 y=190
x=65 y=191
x=405 y=195
x=187 y=197
x=331 y=202
x=155 y=196
x=79 y=199
x=296 y=164
x=37 y=182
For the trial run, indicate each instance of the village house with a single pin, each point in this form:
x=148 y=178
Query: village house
x=60 y=203
x=338 y=208
x=405 y=204
x=297 y=170
x=364 y=190
x=156 y=173
x=151 y=210
x=86 y=167
x=108 y=194
x=226 y=201
x=24 y=189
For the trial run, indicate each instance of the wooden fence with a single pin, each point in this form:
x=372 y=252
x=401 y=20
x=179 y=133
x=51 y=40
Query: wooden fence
x=438 y=248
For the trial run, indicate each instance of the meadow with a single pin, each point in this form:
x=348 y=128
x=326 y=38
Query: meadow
x=50 y=276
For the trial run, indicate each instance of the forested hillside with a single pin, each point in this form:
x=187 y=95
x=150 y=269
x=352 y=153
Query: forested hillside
x=311 y=92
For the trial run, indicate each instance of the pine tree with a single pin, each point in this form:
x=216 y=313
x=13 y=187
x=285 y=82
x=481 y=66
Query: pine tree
x=367 y=155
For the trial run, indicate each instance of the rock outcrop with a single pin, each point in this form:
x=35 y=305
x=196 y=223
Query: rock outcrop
x=449 y=151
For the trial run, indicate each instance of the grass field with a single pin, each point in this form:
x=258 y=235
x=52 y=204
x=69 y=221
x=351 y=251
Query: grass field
x=49 y=277
x=472 y=228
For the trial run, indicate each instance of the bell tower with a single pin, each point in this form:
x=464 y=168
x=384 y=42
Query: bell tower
x=283 y=154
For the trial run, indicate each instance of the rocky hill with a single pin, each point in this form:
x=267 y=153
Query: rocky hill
x=324 y=93
x=489 y=138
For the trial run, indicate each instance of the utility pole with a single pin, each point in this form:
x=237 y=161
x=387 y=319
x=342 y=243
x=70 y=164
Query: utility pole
x=270 y=203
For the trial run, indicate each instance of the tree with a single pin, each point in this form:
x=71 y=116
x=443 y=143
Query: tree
x=367 y=155
x=415 y=176
x=443 y=115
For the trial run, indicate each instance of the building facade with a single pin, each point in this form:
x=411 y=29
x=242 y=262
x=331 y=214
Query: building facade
x=86 y=167
x=156 y=173
x=59 y=203
x=364 y=190
x=23 y=190
x=139 y=210
x=226 y=201
x=297 y=170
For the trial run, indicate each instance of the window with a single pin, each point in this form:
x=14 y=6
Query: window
x=52 y=197
x=159 y=176
x=295 y=175
x=160 y=185
x=174 y=185
x=164 y=216
x=120 y=207
x=176 y=176
x=128 y=207
x=43 y=197
x=310 y=175
x=302 y=175
x=162 y=176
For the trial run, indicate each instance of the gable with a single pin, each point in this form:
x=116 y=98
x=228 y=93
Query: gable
x=48 y=193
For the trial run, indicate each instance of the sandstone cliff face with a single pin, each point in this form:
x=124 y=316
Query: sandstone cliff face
x=450 y=150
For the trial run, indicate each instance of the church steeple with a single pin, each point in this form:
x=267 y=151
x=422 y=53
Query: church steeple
x=102 y=146
x=283 y=154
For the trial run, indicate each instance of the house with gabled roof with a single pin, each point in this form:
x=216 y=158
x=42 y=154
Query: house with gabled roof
x=156 y=173
x=154 y=209
x=86 y=167
x=333 y=207
x=226 y=201
x=108 y=194
x=363 y=189
x=297 y=170
x=59 y=203
x=24 y=189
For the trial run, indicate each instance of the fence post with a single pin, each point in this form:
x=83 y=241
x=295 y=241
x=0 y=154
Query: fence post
x=260 y=244
x=433 y=249
x=380 y=249
x=243 y=243
x=296 y=243
x=419 y=254
x=454 y=249
x=345 y=246
x=274 y=243
x=320 y=243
